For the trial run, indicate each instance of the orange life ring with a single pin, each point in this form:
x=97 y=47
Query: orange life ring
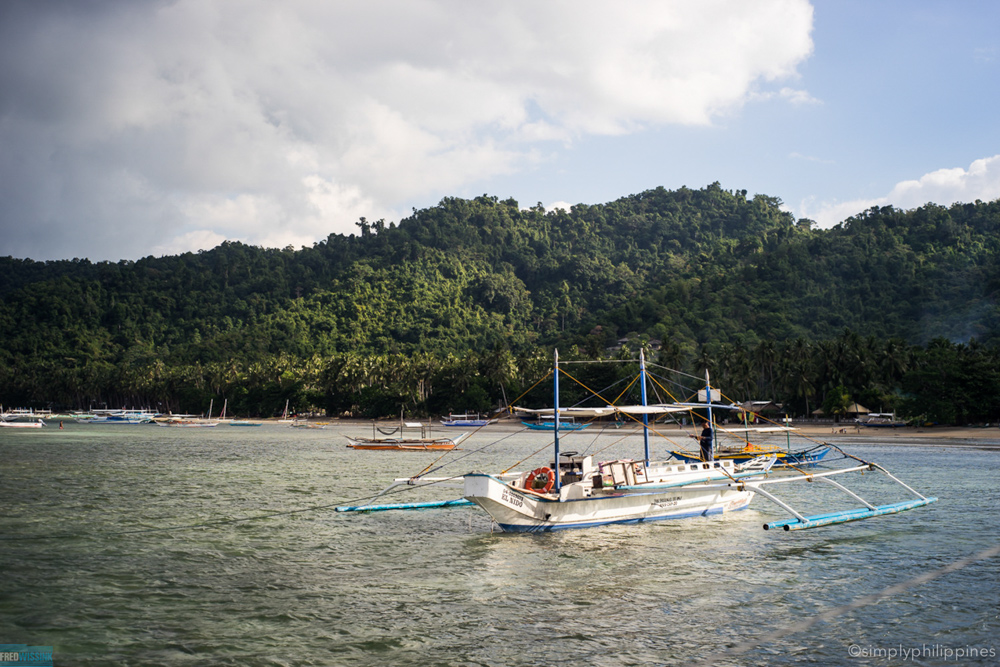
x=539 y=474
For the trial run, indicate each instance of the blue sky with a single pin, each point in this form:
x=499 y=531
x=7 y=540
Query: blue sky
x=132 y=129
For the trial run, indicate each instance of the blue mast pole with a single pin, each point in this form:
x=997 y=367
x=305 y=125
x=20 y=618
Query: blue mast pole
x=708 y=399
x=645 y=417
x=555 y=383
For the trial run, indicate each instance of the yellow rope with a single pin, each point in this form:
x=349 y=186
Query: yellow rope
x=525 y=393
x=667 y=438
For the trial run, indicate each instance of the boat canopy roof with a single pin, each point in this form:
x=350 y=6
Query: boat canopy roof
x=607 y=411
x=737 y=430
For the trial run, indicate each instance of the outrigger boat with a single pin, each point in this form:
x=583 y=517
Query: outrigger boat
x=553 y=426
x=7 y=424
x=736 y=446
x=304 y=423
x=402 y=443
x=573 y=491
x=131 y=417
x=474 y=420
x=407 y=444
x=183 y=422
x=881 y=420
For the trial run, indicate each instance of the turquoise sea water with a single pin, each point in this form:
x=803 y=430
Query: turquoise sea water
x=436 y=587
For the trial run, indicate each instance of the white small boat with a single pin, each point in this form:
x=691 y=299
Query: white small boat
x=37 y=424
x=881 y=420
x=467 y=420
x=179 y=422
x=305 y=423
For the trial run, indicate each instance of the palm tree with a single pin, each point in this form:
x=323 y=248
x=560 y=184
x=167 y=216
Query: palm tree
x=766 y=357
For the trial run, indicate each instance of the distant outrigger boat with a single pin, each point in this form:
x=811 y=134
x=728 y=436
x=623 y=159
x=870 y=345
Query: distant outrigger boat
x=467 y=421
x=308 y=424
x=801 y=459
x=7 y=424
x=741 y=450
x=402 y=443
x=8 y=417
x=407 y=444
x=130 y=417
x=881 y=420
x=565 y=424
x=190 y=421
x=180 y=422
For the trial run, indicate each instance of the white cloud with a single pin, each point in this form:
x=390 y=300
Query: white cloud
x=809 y=158
x=944 y=186
x=278 y=123
x=797 y=96
x=564 y=205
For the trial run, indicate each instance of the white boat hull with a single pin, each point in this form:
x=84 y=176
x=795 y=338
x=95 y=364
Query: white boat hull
x=37 y=424
x=517 y=511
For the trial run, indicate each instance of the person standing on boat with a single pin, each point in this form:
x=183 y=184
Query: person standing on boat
x=706 y=442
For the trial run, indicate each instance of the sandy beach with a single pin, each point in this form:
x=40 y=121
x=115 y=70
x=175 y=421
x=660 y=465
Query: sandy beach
x=987 y=437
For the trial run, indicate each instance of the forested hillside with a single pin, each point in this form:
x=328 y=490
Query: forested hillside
x=454 y=306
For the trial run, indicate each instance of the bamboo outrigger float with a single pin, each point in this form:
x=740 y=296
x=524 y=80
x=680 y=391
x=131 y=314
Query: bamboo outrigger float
x=574 y=491
x=800 y=522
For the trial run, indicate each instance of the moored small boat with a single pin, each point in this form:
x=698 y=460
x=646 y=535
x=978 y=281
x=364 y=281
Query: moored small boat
x=803 y=458
x=37 y=424
x=308 y=424
x=467 y=421
x=407 y=444
x=567 y=425
x=176 y=422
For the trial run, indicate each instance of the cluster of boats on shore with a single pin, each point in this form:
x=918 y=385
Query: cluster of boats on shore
x=25 y=418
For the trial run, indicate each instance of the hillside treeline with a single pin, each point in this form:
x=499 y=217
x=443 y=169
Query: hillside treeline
x=459 y=306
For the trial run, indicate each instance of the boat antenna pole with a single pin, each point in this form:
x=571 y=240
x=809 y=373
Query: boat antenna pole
x=708 y=399
x=555 y=414
x=645 y=417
